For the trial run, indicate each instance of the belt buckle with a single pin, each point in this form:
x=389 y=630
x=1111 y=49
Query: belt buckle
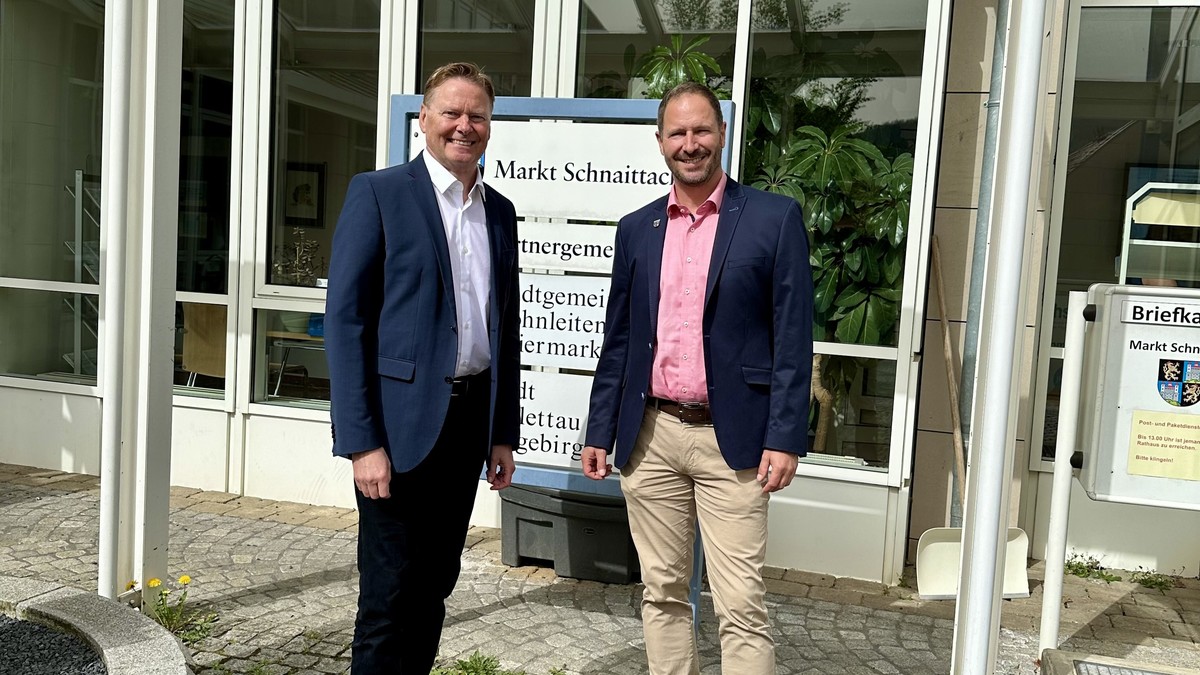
x=459 y=386
x=692 y=413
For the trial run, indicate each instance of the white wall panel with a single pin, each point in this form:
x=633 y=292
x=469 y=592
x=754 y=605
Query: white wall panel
x=1123 y=536
x=199 y=449
x=50 y=430
x=832 y=527
x=291 y=460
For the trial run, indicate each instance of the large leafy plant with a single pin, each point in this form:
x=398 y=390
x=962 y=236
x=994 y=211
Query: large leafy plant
x=665 y=66
x=856 y=206
x=855 y=203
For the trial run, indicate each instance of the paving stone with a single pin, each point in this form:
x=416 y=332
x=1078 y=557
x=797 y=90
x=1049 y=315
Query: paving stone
x=1152 y=612
x=1151 y=627
x=282 y=579
x=809 y=578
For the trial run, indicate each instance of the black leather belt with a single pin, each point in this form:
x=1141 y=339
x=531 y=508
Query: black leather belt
x=688 y=413
x=459 y=386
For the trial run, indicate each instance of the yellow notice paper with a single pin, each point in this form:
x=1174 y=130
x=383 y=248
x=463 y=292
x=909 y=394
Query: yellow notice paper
x=1165 y=445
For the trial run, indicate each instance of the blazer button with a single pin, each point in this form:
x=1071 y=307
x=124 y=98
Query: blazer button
x=449 y=380
x=454 y=329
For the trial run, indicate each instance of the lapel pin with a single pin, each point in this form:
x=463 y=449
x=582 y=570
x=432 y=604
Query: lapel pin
x=657 y=221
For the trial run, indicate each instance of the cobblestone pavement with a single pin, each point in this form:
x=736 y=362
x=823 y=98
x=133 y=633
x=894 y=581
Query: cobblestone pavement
x=282 y=579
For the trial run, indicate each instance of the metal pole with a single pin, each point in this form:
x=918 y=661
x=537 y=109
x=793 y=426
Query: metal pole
x=977 y=620
x=117 y=60
x=1060 y=492
x=987 y=178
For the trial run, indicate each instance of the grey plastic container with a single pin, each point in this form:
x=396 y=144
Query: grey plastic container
x=586 y=536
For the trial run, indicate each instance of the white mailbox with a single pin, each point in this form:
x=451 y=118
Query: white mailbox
x=1141 y=397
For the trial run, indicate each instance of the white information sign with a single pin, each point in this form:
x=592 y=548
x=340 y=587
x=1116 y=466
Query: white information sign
x=553 y=418
x=576 y=170
x=1142 y=422
x=567 y=247
x=562 y=320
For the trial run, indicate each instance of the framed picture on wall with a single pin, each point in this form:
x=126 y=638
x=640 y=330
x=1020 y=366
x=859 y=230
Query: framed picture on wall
x=304 y=195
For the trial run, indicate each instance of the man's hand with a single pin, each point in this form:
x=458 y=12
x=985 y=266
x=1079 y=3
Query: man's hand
x=776 y=469
x=500 y=467
x=372 y=473
x=594 y=463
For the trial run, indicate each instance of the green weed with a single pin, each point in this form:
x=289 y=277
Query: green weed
x=1151 y=579
x=1089 y=568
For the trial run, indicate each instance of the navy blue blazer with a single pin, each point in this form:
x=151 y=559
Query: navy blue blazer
x=757 y=329
x=390 y=323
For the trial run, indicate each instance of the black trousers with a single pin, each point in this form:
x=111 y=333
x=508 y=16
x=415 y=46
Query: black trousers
x=410 y=545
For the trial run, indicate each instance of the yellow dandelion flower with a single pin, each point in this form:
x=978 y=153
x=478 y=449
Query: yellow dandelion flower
x=154 y=583
x=185 y=580
x=131 y=584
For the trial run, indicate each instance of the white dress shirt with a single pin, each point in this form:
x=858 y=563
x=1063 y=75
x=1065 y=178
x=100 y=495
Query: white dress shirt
x=465 y=222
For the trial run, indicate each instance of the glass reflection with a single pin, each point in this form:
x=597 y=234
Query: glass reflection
x=1133 y=149
x=831 y=120
x=851 y=414
x=49 y=335
x=641 y=49
x=495 y=34
x=200 y=339
x=326 y=100
x=292 y=368
x=206 y=133
x=51 y=100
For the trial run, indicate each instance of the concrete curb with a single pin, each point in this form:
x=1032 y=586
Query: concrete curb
x=128 y=642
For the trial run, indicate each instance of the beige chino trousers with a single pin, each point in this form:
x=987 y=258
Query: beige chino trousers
x=675 y=476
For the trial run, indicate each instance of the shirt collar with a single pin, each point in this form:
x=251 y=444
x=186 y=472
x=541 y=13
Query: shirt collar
x=443 y=180
x=716 y=198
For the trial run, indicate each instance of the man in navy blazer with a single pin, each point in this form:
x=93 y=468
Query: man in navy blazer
x=702 y=386
x=421 y=334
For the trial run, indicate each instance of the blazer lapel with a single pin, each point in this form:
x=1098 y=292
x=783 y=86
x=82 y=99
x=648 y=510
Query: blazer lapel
x=496 y=244
x=655 y=240
x=427 y=206
x=731 y=212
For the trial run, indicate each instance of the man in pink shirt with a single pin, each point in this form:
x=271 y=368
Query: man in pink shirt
x=702 y=387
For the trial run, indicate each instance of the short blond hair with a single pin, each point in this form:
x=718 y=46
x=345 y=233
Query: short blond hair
x=461 y=70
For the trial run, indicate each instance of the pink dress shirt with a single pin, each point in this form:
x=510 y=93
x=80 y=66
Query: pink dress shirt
x=678 y=371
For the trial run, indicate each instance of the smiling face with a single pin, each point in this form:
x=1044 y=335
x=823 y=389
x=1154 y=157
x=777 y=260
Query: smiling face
x=456 y=119
x=691 y=141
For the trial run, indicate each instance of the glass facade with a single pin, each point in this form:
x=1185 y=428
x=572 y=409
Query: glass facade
x=206 y=133
x=827 y=84
x=49 y=335
x=293 y=357
x=495 y=34
x=51 y=60
x=1133 y=147
x=831 y=120
x=631 y=49
x=326 y=100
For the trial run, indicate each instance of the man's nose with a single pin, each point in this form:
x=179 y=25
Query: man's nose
x=463 y=124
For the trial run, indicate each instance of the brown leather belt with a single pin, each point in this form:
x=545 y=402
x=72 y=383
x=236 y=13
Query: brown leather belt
x=688 y=413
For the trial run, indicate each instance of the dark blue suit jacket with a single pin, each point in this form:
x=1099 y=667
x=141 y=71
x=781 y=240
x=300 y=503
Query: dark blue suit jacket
x=390 y=325
x=757 y=329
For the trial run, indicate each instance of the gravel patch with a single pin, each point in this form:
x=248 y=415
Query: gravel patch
x=33 y=649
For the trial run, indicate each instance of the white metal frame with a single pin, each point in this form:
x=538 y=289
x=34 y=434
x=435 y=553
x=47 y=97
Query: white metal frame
x=1045 y=352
